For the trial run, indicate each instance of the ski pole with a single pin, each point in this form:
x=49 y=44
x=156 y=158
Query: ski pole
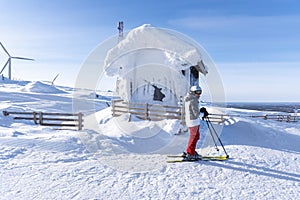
x=218 y=137
x=210 y=131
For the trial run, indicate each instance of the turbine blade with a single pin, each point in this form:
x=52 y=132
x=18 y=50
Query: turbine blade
x=4 y=66
x=54 y=79
x=21 y=58
x=4 y=49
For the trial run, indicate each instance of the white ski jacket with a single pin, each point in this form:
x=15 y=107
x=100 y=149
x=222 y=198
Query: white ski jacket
x=192 y=110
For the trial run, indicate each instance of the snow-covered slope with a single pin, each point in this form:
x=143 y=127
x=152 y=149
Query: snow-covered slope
x=115 y=159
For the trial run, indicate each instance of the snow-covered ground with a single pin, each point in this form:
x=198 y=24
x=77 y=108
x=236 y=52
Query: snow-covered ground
x=117 y=159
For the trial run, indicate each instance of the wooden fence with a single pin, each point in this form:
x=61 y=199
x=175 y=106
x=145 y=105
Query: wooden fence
x=279 y=117
x=147 y=111
x=155 y=111
x=218 y=118
x=50 y=119
x=159 y=112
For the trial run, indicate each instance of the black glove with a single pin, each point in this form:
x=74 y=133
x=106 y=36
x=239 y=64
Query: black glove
x=204 y=111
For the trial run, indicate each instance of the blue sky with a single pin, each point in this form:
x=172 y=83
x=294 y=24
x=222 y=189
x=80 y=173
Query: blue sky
x=255 y=44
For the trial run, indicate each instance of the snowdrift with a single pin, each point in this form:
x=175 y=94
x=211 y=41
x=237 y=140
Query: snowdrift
x=40 y=87
x=263 y=134
x=115 y=159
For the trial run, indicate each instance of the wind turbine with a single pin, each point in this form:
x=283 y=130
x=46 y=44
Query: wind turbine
x=8 y=62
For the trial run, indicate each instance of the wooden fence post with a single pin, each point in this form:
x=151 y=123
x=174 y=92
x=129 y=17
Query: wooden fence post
x=113 y=107
x=41 y=118
x=34 y=118
x=288 y=118
x=80 y=120
x=182 y=115
x=146 y=112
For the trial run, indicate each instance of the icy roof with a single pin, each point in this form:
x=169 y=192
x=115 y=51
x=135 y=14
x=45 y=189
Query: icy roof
x=146 y=44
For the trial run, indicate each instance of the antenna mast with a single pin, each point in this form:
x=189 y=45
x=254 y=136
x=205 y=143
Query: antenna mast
x=120 y=28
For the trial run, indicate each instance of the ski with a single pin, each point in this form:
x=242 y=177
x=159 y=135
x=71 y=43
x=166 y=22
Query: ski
x=204 y=158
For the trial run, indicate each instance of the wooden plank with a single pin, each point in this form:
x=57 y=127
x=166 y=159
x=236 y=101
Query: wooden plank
x=165 y=111
x=62 y=114
x=132 y=103
x=49 y=124
x=163 y=106
x=136 y=113
x=16 y=113
x=23 y=118
x=31 y=113
x=59 y=119
x=117 y=100
x=215 y=118
x=132 y=108
x=165 y=116
x=118 y=106
x=128 y=108
x=160 y=118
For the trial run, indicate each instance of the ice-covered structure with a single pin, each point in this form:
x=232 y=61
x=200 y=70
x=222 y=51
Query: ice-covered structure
x=154 y=65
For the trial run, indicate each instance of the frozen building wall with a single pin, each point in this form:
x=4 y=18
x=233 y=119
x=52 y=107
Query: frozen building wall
x=151 y=63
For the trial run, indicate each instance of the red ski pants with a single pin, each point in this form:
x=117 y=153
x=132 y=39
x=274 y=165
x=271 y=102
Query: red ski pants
x=194 y=137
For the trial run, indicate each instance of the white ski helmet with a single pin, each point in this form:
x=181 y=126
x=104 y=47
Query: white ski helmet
x=196 y=89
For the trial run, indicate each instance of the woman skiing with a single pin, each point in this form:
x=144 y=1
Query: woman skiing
x=192 y=120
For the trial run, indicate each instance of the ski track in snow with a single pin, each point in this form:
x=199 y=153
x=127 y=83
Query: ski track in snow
x=38 y=162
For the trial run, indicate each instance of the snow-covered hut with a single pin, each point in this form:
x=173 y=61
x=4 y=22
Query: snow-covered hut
x=154 y=65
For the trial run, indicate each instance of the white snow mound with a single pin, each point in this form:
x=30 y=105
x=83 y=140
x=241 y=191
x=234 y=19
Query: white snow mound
x=40 y=87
